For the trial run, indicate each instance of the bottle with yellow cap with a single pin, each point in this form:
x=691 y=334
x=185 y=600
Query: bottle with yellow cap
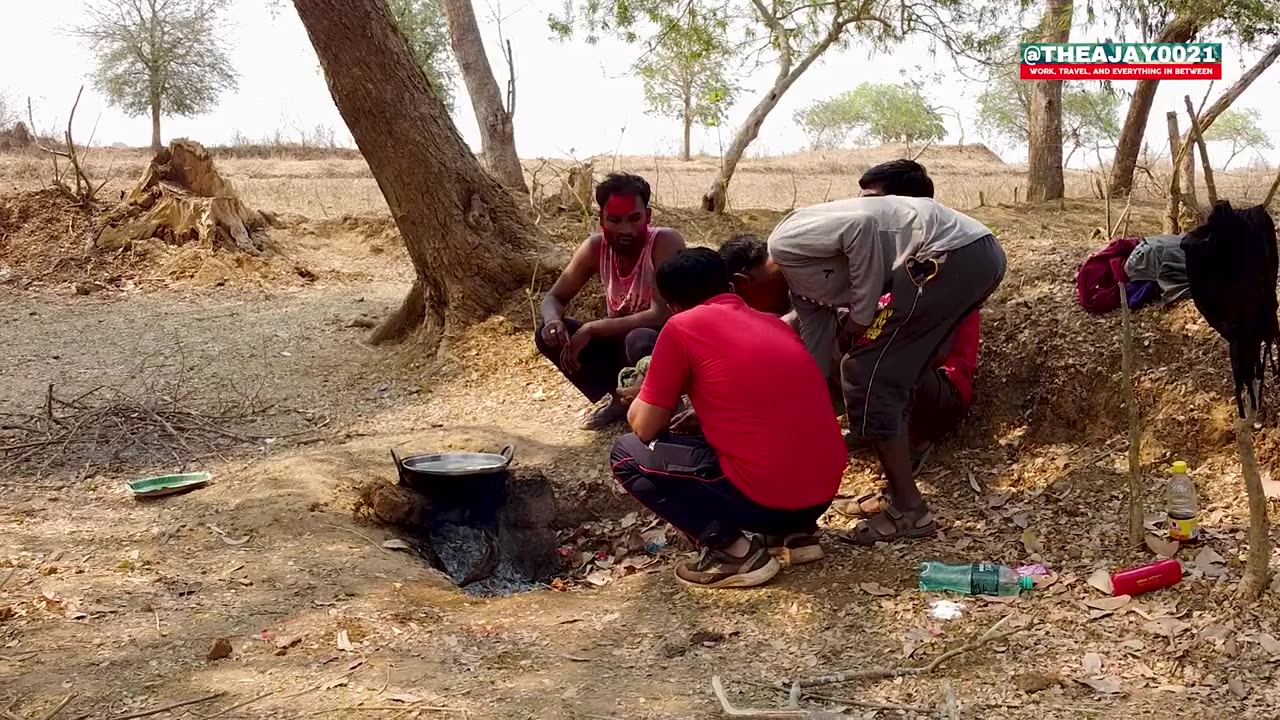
x=1182 y=506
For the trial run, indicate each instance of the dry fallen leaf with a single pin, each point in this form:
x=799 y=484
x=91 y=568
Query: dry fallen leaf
x=344 y=641
x=1236 y=685
x=399 y=695
x=1092 y=664
x=1210 y=563
x=876 y=589
x=395 y=544
x=599 y=578
x=1101 y=580
x=1108 y=603
x=1166 y=627
x=1031 y=541
x=1269 y=643
x=1270 y=488
x=1106 y=686
x=336 y=682
x=1020 y=519
x=1161 y=547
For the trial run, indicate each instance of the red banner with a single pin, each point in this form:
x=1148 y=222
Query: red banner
x=1120 y=71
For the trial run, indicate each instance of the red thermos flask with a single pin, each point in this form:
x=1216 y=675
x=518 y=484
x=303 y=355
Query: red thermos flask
x=1146 y=578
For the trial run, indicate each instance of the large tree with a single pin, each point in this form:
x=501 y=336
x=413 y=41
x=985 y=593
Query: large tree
x=496 y=120
x=1241 y=129
x=879 y=112
x=469 y=242
x=423 y=25
x=688 y=75
x=1044 y=146
x=790 y=36
x=1178 y=21
x=163 y=57
x=1089 y=112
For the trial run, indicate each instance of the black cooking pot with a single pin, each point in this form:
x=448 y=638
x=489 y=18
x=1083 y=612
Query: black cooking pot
x=464 y=488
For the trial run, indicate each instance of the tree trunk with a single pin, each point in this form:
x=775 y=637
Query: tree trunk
x=716 y=197
x=688 y=128
x=468 y=240
x=497 y=129
x=1044 y=149
x=1181 y=30
x=1257 y=570
x=156 y=144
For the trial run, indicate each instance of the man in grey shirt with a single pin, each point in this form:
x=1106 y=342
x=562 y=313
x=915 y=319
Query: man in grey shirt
x=838 y=259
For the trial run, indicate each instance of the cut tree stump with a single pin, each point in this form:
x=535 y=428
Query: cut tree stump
x=181 y=199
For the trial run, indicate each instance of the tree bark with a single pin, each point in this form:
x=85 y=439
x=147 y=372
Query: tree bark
x=497 y=127
x=1044 y=149
x=1180 y=30
x=1257 y=570
x=156 y=144
x=688 y=127
x=468 y=240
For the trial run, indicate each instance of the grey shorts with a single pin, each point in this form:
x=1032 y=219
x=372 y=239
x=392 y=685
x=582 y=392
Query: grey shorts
x=878 y=377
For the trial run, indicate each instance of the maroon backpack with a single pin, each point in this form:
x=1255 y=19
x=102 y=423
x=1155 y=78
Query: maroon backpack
x=1100 y=278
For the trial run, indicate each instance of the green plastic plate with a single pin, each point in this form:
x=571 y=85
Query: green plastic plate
x=168 y=484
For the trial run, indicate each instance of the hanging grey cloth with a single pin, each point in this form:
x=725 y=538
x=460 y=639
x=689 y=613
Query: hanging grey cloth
x=1160 y=259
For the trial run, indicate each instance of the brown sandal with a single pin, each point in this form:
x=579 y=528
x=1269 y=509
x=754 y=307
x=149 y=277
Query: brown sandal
x=892 y=524
x=863 y=506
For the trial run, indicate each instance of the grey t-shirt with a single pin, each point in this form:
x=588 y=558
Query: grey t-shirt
x=841 y=253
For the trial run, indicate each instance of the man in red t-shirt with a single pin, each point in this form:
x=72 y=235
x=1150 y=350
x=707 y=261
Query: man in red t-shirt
x=769 y=457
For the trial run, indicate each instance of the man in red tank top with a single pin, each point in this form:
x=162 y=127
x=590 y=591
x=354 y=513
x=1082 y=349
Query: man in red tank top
x=623 y=256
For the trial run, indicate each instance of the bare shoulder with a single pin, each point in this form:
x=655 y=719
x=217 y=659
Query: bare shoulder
x=591 y=246
x=667 y=242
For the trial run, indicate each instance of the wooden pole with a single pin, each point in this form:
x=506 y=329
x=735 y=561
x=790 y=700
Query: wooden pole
x=1257 y=572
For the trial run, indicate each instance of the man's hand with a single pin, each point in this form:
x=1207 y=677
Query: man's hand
x=686 y=423
x=573 y=348
x=555 y=333
x=626 y=394
x=850 y=333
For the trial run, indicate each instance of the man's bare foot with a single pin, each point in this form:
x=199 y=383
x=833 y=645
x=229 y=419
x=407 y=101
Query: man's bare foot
x=603 y=416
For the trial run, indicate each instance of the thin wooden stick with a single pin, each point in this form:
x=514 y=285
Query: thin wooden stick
x=1204 y=151
x=1271 y=194
x=996 y=633
x=220 y=713
x=1131 y=407
x=1256 y=569
x=717 y=687
x=54 y=712
x=847 y=701
x=360 y=534
x=163 y=708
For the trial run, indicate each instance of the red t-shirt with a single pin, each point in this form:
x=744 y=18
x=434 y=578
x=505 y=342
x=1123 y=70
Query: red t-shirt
x=961 y=363
x=760 y=398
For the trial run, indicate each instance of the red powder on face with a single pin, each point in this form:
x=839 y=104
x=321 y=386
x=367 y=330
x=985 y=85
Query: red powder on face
x=622 y=205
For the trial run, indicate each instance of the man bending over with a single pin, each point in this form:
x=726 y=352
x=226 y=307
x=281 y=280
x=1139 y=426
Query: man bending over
x=623 y=254
x=770 y=456
x=839 y=259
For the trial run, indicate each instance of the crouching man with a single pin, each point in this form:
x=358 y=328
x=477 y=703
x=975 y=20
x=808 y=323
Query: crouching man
x=768 y=457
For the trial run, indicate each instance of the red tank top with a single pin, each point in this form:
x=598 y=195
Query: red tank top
x=631 y=293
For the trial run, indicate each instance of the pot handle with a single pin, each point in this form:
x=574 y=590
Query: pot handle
x=508 y=452
x=399 y=467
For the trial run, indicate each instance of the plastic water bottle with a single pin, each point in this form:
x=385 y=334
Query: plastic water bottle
x=1182 y=506
x=973 y=578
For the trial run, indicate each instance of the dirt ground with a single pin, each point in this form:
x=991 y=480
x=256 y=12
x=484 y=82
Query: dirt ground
x=118 y=603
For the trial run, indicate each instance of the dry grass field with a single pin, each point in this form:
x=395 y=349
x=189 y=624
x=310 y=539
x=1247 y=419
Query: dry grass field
x=114 y=606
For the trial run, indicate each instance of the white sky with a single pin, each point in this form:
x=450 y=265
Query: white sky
x=573 y=98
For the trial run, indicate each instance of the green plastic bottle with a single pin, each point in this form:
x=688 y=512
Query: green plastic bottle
x=972 y=578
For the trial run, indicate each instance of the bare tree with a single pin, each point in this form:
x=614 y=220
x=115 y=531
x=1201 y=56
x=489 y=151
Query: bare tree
x=468 y=240
x=496 y=121
x=163 y=57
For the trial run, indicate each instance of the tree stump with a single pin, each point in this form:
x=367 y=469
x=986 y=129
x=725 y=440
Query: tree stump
x=181 y=198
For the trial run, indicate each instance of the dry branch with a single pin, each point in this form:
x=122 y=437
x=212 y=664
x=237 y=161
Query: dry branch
x=853 y=702
x=1130 y=401
x=1256 y=570
x=996 y=633
x=171 y=706
x=729 y=710
x=1198 y=136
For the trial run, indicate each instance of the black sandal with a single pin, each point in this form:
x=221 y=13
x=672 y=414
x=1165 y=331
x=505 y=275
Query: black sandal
x=892 y=524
